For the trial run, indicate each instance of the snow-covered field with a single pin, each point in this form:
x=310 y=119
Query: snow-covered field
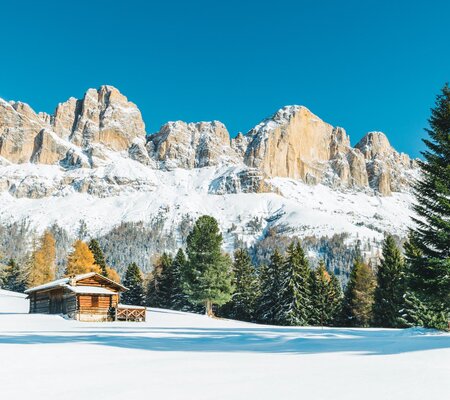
x=184 y=356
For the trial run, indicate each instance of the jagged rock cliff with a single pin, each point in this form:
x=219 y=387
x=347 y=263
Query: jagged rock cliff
x=293 y=143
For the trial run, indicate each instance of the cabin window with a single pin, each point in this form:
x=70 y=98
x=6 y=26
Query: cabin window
x=94 y=301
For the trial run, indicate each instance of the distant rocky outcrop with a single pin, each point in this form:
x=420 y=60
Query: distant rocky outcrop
x=293 y=143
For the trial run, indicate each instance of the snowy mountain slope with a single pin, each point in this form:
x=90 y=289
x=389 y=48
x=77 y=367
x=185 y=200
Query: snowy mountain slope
x=175 y=355
x=91 y=160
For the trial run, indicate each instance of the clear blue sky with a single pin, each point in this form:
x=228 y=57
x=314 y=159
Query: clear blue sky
x=364 y=65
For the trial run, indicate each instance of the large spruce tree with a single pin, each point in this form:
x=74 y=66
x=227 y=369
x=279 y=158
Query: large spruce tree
x=429 y=266
x=207 y=276
x=390 y=290
x=243 y=303
x=359 y=296
x=295 y=292
x=134 y=283
x=270 y=285
x=98 y=256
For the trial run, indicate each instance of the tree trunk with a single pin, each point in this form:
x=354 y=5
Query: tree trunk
x=208 y=308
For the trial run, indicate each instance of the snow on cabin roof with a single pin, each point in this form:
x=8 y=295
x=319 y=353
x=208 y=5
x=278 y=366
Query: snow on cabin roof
x=89 y=290
x=65 y=282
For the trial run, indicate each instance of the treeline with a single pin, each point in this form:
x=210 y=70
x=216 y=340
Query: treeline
x=40 y=266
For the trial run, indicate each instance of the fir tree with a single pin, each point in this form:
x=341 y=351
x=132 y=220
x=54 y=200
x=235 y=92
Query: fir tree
x=179 y=298
x=41 y=265
x=390 y=287
x=207 y=275
x=134 y=283
x=429 y=266
x=326 y=296
x=81 y=260
x=166 y=282
x=270 y=284
x=243 y=303
x=13 y=277
x=359 y=296
x=295 y=292
x=98 y=256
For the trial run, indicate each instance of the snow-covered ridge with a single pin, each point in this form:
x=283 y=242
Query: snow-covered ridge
x=92 y=160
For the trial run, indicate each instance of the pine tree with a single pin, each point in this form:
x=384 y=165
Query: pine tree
x=13 y=277
x=326 y=296
x=98 y=256
x=295 y=291
x=41 y=265
x=336 y=297
x=245 y=279
x=270 y=284
x=207 y=275
x=390 y=287
x=81 y=260
x=166 y=281
x=179 y=298
x=134 y=283
x=359 y=296
x=429 y=267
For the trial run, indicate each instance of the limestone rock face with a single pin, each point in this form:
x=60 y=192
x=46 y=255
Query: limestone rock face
x=387 y=169
x=19 y=125
x=103 y=128
x=192 y=145
x=293 y=143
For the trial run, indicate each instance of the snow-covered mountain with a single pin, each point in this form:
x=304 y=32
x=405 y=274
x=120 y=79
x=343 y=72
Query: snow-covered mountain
x=93 y=160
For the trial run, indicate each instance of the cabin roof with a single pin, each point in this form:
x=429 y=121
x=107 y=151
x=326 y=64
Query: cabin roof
x=89 y=290
x=65 y=282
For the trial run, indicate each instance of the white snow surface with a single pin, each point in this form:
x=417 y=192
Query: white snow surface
x=177 y=355
x=126 y=190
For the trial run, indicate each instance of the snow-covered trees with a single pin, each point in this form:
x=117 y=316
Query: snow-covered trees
x=13 y=277
x=134 y=283
x=294 y=306
x=207 y=275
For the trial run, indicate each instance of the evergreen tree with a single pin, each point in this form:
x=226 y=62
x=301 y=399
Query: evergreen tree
x=179 y=299
x=81 y=260
x=326 y=296
x=166 y=281
x=134 y=283
x=295 y=292
x=13 y=277
x=243 y=302
x=390 y=287
x=270 y=284
x=41 y=265
x=429 y=267
x=207 y=275
x=336 y=296
x=98 y=256
x=359 y=296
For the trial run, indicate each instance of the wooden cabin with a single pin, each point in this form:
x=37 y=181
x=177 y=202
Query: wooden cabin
x=85 y=297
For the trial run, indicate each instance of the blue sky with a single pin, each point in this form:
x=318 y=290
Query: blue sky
x=364 y=65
